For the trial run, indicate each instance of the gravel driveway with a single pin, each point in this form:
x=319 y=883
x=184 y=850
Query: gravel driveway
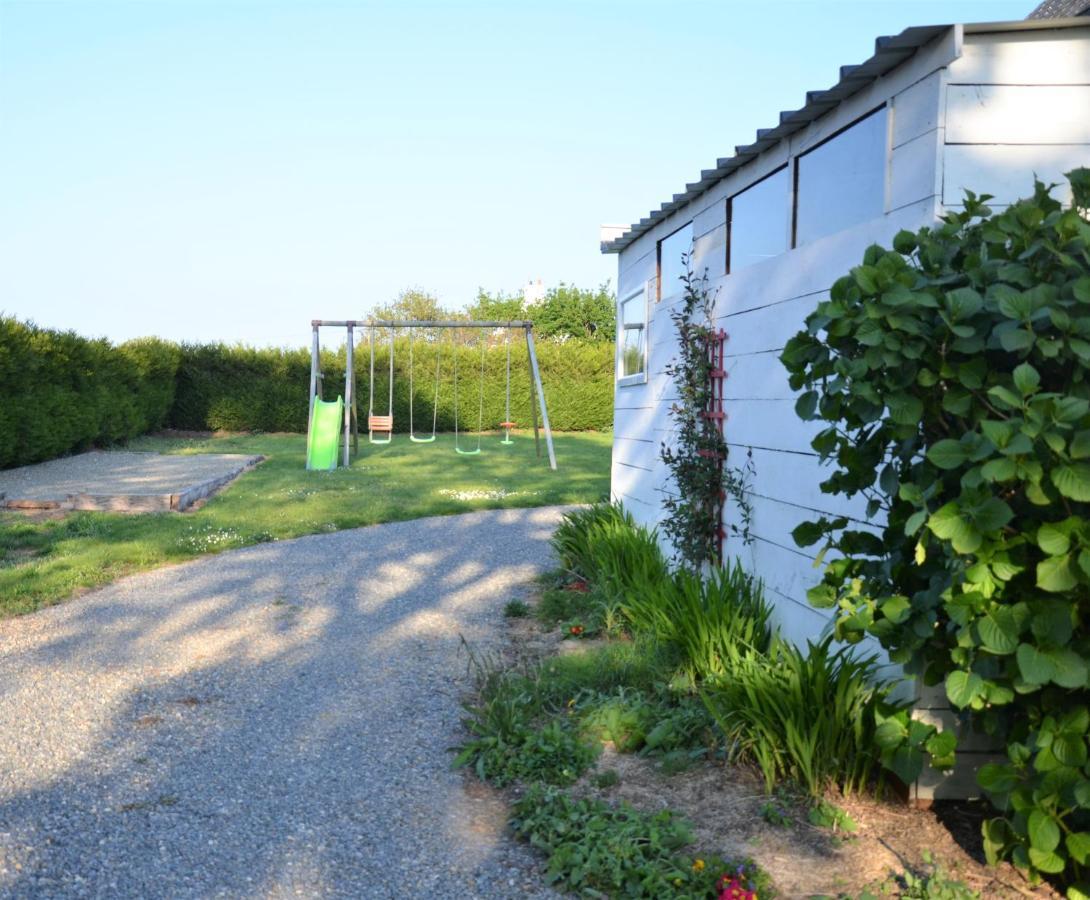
x=273 y=721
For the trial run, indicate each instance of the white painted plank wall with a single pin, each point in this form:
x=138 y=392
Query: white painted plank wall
x=1016 y=106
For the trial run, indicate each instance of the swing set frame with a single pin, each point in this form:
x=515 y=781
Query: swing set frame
x=351 y=418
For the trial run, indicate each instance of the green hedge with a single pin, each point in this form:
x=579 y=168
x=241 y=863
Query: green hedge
x=244 y=389
x=60 y=392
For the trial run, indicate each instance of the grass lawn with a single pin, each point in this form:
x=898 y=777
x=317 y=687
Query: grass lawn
x=43 y=561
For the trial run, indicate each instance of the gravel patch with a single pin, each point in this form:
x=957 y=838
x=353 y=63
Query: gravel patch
x=269 y=722
x=118 y=479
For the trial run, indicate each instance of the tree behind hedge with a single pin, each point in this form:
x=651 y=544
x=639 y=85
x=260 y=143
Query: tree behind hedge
x=954 y=375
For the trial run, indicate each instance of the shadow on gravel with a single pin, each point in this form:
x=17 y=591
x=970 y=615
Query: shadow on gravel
x=271 y=721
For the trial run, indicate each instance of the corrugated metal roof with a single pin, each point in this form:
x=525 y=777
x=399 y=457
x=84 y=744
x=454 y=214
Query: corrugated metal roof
x=1061 y=9
x=889 y=52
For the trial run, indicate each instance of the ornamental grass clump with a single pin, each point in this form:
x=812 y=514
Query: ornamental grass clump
x=953 y=377
x=708 y=619
x=807 y=717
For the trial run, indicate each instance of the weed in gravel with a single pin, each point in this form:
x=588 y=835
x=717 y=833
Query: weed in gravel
x=774 y=814
x=516 y=609
x=824 y=814
x=564 y=606
x=598 y=850
x=605 y=780
x=926 y=882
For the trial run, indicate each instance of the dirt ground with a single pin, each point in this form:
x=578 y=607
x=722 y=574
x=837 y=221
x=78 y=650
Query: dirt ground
x=724 y=803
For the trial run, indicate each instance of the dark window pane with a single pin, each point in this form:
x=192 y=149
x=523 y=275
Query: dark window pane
x=843 y=181
x=759 y=221
x=671 y=268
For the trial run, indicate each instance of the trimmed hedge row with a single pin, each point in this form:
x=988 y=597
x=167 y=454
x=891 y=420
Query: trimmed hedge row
x=245 y=389
x=60 y=392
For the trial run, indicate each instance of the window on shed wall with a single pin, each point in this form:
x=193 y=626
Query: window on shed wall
x=758 y=220
x=633 y=339
x=842 y=181
x=671 y=265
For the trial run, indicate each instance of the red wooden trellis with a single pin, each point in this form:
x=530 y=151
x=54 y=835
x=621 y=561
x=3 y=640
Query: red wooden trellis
x=717 y=375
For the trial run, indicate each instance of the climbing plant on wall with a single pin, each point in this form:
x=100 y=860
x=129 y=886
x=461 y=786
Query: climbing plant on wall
x=953 y=373
x=697 y=457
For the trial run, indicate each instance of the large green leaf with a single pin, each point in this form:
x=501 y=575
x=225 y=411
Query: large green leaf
x=1078 y=845
x=948 y=523
x=1069 y=669
x=999 y=631
x=1035 y=666
x=1073 y=481
x=1027 y=379
x=1055 y=575
x=1044 y=833
x=1053 y=540
x=962 y=688
x=947 y=454
x=904 y=409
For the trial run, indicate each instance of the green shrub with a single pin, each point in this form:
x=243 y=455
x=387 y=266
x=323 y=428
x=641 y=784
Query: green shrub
x=567 y=606
x=551 y=753
x=61 y=393
x=657 y=722
x=237 y=388
x=805 y=716
x=953 y=375
x=597 y=850
x=640 y=665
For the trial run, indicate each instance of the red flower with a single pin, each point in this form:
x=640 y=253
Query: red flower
x=576 y=629
x=733 y=889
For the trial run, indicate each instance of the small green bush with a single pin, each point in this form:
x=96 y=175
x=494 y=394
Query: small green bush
x=805 y=716
x=597 y=850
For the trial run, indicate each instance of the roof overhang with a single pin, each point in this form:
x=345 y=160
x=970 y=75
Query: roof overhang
x=889 y=52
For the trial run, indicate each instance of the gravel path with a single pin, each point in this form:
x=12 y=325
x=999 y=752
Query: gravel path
x=269 y=722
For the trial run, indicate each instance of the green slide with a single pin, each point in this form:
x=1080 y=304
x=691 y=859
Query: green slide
x=324 y=440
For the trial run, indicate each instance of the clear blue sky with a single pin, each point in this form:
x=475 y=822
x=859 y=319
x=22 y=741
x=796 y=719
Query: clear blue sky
x=215 y=170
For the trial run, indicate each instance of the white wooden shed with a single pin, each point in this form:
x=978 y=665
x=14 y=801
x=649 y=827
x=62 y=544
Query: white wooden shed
x=936 y=110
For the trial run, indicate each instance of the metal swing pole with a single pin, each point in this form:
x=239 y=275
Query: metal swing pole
x=314 y=357
x=540 y=397
x=349 y=397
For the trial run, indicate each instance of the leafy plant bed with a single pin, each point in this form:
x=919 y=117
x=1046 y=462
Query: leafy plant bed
x=608 y=696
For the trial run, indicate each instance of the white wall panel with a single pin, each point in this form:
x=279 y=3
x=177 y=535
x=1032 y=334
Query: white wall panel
x=1018 y=114
x=1006 y=171
x=1029 y=57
